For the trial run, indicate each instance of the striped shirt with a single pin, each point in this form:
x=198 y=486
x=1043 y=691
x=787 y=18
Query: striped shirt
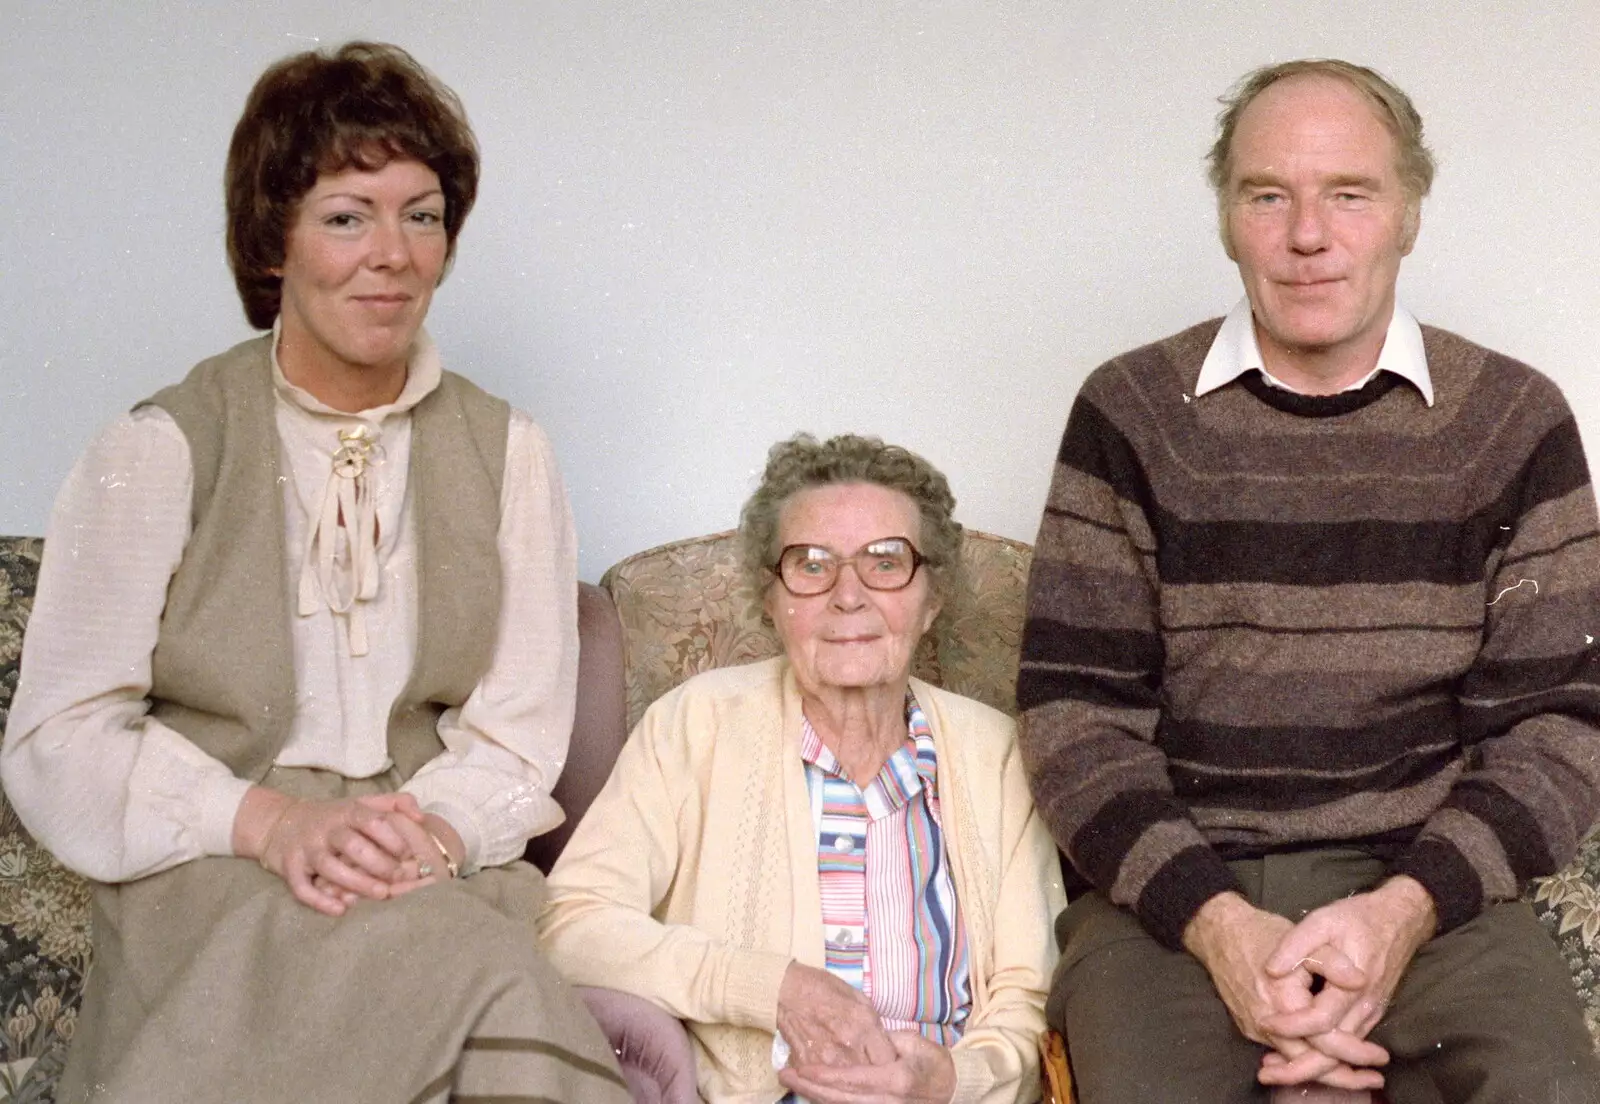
x=891 y=920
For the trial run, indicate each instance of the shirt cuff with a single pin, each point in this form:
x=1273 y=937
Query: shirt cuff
x=974 y=1077
x=219 y=808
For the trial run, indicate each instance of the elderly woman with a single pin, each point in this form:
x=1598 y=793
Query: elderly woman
x=301 y=668
x=831 y=870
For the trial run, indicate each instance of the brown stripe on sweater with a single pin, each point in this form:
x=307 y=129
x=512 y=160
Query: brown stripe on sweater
x=1351 y=607
x=1101 y=846
x=1173 y=894
x=1396 y=660
x=1512 y=822
x=1155 y=847
x=1360 y=818
x=1479 y=845
x=1087 y=496
x=1088 y=595
x=1319 y=554
x=1407 y=779
x=1401 y=733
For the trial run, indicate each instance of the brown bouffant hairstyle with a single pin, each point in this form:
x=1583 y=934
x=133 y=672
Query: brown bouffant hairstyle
x=313 y=113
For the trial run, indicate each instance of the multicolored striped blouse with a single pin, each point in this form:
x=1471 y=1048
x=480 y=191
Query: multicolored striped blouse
x=890 y=917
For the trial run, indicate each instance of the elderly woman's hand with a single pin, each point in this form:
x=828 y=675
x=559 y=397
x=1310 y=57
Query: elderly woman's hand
x=921 y=1073
x=827 y=1023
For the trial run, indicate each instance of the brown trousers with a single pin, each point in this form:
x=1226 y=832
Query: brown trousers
x=211 y=983
x=1486 y=1014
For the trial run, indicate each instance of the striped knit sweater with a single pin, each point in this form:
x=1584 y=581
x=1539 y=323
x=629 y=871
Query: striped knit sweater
x=1259 y=621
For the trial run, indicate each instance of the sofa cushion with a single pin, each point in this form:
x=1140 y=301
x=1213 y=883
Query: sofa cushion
x=681 y=613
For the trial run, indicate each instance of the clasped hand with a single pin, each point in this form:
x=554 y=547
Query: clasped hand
x=840 y=1053
x=331 y=852
x=1265 y=969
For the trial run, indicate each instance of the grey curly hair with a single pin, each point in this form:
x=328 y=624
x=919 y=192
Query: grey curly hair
x=803 y=462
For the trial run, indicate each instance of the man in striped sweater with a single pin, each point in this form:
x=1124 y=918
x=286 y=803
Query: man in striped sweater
x=1311 y=676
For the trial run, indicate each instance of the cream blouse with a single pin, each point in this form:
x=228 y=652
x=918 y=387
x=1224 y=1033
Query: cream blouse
x=117 y=795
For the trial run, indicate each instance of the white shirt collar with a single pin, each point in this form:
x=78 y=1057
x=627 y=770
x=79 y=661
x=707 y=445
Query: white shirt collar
x=423 y=372
x=1235 y=352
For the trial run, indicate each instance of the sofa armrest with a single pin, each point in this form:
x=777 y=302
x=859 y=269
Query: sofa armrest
x=599 y=726
x=652 y=1046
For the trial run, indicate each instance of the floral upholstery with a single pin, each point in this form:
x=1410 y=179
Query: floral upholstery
x=1568 y=904
x=44 y=909
x=683 y=610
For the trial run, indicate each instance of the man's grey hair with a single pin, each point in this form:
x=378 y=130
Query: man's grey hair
x=1413 y=160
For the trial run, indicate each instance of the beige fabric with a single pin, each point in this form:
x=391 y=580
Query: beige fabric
x=231 y=692
x=211 y=983
x=693 y=878
x=685 y=609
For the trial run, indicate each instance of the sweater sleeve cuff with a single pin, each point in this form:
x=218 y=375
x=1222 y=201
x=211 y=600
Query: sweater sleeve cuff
x=219 y=807
x=750 y=988
x=974 y=1077
x=1449 y=878
x=1185 y=882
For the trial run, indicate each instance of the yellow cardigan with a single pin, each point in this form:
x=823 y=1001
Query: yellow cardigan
x=693 y=878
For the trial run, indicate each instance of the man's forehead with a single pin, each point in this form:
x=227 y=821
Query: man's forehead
x=1309 y=112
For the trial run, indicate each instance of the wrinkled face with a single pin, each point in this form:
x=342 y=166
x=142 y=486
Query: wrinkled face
x=1316 y=218
x=364 y=252
x=850 y=636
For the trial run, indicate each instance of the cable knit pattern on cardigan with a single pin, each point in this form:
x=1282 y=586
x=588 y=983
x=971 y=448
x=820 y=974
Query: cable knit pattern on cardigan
x=1260 y=620
x=693 y=878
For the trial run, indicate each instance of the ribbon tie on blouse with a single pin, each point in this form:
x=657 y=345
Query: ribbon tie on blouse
x=341 y=568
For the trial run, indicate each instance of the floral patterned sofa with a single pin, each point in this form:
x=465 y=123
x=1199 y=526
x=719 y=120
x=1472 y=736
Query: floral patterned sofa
x=682 y=611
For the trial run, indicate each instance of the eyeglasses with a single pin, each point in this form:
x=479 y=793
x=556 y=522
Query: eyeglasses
x=888 y=563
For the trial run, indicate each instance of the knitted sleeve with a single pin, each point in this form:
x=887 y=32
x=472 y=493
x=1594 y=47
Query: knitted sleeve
x=1090 y=681
x=1530 y=704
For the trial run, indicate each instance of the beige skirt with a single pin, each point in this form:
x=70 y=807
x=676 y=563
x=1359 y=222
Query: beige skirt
x=211 y=982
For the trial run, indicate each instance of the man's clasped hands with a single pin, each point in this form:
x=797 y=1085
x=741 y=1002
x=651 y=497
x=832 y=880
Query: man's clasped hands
x=1267 y=970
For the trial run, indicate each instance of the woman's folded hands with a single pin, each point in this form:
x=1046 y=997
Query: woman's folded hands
x=332 y=852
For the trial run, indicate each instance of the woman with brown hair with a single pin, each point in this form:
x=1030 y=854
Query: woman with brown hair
x=301 y=668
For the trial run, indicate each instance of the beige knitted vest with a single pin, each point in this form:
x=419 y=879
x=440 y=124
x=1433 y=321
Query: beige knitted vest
x=223 y=668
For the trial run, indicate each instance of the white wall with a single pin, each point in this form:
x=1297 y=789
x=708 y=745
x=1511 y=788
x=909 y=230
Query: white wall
x=705 y=225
